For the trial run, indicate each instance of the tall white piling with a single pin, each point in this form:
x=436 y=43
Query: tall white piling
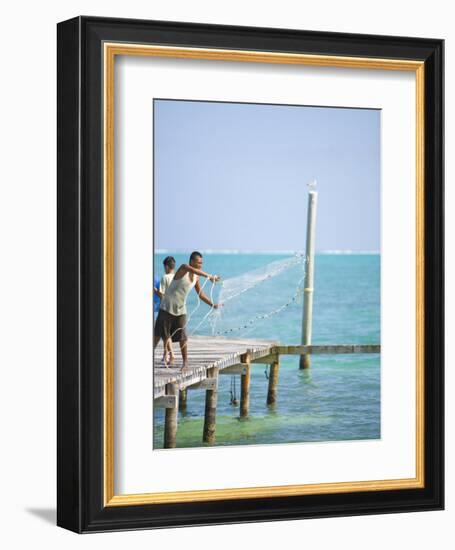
x=307 y=318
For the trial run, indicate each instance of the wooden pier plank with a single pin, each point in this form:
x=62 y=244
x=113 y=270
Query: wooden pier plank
x=328 y=349
x=206 y=352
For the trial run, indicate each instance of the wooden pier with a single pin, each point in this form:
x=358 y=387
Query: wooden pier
x=211 y=357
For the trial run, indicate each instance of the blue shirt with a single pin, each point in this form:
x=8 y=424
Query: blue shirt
x=156 y=298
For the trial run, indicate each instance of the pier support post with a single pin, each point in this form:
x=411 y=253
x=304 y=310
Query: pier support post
x=245 y=388
x=211 y=401
x=309 y=277
x=273 y=383
x=170 y=419
x=182 y=400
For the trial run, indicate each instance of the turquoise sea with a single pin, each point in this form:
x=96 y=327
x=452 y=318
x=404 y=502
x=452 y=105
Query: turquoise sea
x=338 y=398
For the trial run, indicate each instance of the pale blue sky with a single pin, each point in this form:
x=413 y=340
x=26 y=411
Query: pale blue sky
x=233 y=176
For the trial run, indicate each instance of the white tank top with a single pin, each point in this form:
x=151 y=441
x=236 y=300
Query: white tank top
x=174 y=301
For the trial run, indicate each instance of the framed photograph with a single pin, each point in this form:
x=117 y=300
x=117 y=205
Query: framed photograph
x=250 y=274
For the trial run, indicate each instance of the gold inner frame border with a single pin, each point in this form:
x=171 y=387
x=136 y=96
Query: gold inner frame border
x=110 y=51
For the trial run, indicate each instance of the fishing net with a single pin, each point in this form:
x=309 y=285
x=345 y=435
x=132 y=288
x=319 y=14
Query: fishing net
x=255 y=303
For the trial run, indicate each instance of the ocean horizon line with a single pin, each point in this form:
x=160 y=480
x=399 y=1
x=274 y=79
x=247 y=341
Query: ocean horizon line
x=269 y=252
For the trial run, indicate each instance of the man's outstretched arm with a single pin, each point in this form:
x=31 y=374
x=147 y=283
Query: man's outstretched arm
x=184 y=268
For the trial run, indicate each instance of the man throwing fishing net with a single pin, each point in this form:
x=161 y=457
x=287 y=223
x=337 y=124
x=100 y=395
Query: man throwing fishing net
x=171 y=321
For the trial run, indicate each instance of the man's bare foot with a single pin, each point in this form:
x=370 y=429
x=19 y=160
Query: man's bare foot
x=168 y=359
x=184 y=367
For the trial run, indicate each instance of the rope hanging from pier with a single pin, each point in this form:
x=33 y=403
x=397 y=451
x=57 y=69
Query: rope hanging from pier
x=234 y=401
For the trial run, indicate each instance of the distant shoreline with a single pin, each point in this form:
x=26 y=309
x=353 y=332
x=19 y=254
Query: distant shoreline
x=273 y=252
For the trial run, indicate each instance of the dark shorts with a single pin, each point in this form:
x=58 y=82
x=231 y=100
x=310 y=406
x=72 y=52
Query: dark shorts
x=170 y=326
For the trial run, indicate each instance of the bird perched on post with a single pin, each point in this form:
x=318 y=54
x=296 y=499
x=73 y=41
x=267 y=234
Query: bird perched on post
x=312 y=185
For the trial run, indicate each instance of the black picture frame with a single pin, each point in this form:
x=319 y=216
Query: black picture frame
x=80 y=476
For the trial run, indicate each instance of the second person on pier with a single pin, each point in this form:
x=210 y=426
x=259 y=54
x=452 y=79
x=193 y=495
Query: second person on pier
x=171 y=321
